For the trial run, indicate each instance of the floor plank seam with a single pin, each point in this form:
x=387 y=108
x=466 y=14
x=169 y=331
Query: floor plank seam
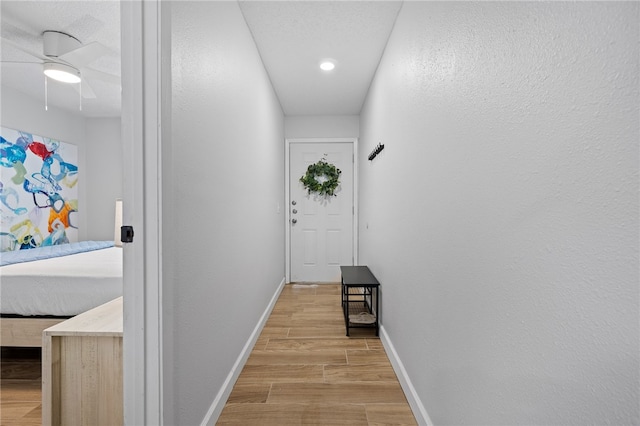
x=266 y=401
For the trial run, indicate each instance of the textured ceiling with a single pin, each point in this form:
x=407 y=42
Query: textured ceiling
x=292 y=37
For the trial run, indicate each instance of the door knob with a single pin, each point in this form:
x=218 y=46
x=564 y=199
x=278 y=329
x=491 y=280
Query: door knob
x=294 y=221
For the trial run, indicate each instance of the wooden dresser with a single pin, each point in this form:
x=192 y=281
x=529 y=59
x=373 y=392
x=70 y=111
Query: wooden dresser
x=82 y=369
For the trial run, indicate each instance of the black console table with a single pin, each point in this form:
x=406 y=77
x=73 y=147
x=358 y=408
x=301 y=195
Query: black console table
x=359 y=297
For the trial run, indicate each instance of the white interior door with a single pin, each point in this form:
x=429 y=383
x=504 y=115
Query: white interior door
x=321 y=227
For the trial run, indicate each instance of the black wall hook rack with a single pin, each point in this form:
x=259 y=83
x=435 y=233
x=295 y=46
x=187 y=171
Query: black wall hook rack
x=376 y=151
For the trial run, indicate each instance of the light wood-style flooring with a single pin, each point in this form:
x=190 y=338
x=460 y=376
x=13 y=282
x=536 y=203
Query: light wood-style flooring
x=20 y=387
x=303 y=370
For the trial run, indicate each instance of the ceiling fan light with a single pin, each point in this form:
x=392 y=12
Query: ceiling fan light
x=62 y=72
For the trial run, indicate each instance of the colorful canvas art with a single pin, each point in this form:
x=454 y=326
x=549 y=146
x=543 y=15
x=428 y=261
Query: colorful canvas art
x=38 y=191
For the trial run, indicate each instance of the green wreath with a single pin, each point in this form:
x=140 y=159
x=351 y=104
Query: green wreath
x=319 y=169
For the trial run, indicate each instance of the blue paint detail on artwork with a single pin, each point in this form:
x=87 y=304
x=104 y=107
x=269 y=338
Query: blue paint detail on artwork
x=11 y=153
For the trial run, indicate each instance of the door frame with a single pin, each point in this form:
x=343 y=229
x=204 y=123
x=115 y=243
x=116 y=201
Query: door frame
x=287 y=195
x=141 y=30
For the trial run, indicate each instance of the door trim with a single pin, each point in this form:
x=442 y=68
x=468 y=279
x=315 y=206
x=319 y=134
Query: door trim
x=142 y=261
x=287 y=196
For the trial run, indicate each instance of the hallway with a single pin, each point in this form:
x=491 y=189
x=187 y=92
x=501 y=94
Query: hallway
x=303 y=369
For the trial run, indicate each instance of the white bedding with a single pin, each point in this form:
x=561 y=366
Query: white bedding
x=61 y=286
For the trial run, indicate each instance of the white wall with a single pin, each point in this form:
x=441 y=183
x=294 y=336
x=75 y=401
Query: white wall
x=103 y=175
x=322 y=126
x=223 y=233
x=502 y=216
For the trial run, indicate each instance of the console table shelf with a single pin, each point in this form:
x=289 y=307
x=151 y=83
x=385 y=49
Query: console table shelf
x=359 y=295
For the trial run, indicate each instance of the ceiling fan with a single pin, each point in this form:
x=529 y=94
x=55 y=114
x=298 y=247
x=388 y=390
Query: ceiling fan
x=64 y=58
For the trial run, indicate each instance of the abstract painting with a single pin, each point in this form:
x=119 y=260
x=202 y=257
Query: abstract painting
x=38 y=191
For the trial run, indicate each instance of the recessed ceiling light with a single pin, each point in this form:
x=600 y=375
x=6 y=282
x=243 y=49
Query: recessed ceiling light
x=327 y=65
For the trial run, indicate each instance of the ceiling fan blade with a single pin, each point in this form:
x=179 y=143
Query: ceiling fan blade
x=20 y=63
x=92 y=74
x=27 y=51
x=85 y=54
x=87 y=91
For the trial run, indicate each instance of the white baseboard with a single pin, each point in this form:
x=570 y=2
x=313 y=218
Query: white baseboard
x=223 y=394
x=419 y=412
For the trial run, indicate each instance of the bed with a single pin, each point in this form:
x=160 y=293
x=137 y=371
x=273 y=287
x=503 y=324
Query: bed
x=43 y=286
